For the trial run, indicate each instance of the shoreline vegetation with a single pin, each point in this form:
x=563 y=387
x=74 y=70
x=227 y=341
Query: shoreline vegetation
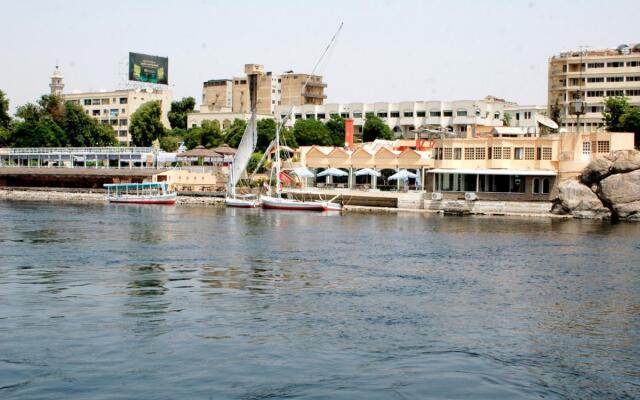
x=63 y=195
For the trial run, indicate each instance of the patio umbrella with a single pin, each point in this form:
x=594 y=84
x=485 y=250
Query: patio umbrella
x=302 y=172
x=368 y=171
x=332 y=172
x=403 y=174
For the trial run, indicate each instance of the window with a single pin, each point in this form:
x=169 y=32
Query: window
x=518 y=153
x=434 y=113
x=595 y=65
x=596 y=109
x=382 y=114
x=321 y=116
x=461 y=113
x=421 y=113
x=106 y=101
x=468 y=153
x=334 y=115
x=527 y=115
x=122 y=133
x=615 y=93
x=539 y=153
x=448 y=152
x=629 y=79
x=123 y=122
x=87 y=102
x=408 y=114
x=344 y=115
x=447 y=113
x=298 y=116
x=517 y=116
x=357 y=115
x=633 y=92
x=633 y=63
x=497 y=153
x=310 y=116
x=603 y=146
x=506 y=153
x=457 y=153
x=595 y=93
x=540 y=185
x=480 y=153
x=615 y=78
x=586 y=148
x=496 y=115
x=95 y=112
x=104 y=121
x=395 y=114
x=535 y=185
x=615 y=64
x=595 y=79
x=546 y=153
x=369 y=114
x=95 y=102
x=123 y=100
x=528 y=153
x=463 y=128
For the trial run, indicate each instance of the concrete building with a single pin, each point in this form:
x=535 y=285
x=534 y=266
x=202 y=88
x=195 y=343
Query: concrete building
x=459 y=117
x=293 y=94
x=594 y=75
x=114 y=107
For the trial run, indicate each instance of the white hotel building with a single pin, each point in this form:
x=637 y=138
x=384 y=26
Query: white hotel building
x=456 y=116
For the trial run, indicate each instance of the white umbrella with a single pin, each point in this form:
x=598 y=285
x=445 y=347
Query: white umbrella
x=332 y=172
x=403 y=174
x=302 y=172
x=368 y=171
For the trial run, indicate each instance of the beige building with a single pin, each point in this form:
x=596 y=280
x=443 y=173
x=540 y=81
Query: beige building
x=295 y=93
x=115 y=107
x=593 y=75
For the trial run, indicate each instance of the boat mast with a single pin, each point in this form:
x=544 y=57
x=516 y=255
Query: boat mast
x=277 y=161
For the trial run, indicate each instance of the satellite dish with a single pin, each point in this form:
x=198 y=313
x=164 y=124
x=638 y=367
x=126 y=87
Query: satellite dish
x=546 y=121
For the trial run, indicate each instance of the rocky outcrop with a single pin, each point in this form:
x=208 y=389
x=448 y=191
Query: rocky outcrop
x=609 y=187
x=574 y=198
x=621 y=192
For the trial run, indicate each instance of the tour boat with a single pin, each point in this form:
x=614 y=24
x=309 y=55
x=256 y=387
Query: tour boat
x=140 y=193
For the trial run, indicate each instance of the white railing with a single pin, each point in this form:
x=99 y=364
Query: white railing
x=75 y=150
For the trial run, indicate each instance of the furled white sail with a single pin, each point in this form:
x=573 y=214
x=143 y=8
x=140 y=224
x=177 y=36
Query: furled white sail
x=245 y=150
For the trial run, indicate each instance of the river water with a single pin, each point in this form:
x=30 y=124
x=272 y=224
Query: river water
x=109 y=302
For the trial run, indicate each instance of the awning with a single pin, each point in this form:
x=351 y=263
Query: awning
x=497 y=171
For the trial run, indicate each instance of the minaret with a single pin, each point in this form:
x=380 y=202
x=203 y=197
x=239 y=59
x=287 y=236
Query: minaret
x=56 y=84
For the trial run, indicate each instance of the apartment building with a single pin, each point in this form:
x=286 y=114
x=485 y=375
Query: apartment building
x=592 y=75
x=460 y=117
x=295 y=93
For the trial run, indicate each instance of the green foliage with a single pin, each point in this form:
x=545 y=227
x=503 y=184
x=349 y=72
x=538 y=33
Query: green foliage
x=211 y=135
x=5 y=137
x=336 y=130
x=82 y=130
x=38 y=133
x=233 y=134
x=266 y=133
x=179 y=110
x=169 y=143
x=253 y=162
x=308 y=132
x=375 y=128
x=506 y=119
x=630 y=122
x=5 y=118
x=614 y=109
x=145 y=125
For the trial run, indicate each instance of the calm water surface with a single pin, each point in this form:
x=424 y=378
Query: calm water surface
x=109 y=302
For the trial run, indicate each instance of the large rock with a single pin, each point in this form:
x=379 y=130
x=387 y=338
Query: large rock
x=596 y=170
x=625 y=161
x=578 y=200
x=622 y=193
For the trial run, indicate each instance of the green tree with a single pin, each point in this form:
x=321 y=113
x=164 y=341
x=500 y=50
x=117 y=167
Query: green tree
x=38 y=133
x=179 y=110
x=211 y=134
x=614 y=109
x=5 y=118
x=169 y=143
x=253 y=162
x=308 y=132
x=630 y=122
x=266 y=133
x=145 y=125
x=375 y=128
x=233 y=134
x=82 y=130
x=192 y=138
x=506 y=119
x=336 y=130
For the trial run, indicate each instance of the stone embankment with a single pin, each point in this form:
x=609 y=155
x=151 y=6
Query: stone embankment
x=608 y=188
x=86 y=197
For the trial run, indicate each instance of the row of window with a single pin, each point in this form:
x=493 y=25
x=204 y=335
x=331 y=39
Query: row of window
x=613 y=64
x=616 y=92
x=492 y=153
x=601 y=79
x=97 y=102
x=396 y=114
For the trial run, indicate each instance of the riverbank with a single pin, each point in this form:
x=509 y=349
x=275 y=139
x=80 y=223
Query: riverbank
x=88 y=197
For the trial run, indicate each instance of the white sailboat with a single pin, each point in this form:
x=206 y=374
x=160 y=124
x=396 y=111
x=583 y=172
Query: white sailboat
x=240 y=161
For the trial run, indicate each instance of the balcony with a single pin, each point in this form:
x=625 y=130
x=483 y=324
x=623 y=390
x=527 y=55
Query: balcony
x=314 y=95
x=316 y=84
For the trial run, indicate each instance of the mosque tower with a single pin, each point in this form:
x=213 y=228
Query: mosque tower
x=56 y=84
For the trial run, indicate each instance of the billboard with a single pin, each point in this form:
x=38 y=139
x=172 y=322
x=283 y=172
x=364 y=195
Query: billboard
x=148 y=69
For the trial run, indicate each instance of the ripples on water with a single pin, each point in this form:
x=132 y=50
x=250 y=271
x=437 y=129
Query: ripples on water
x=162 y=302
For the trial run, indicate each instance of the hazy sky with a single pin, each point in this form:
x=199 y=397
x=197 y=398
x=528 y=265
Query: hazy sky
x=387 y=50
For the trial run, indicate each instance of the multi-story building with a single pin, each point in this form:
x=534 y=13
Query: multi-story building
x=460 y=117
x=114 y=107
x=592 y=75
x=232 y=95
